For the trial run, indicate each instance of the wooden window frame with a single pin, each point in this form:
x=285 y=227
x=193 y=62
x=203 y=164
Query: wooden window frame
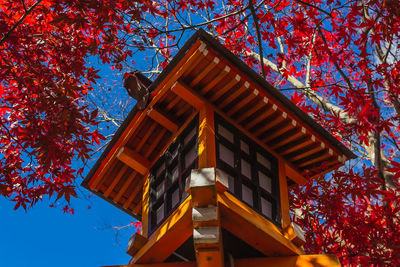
x=165 y=176
x=240 y=179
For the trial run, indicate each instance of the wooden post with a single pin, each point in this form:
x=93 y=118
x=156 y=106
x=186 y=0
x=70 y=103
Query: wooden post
x=205 y=214
x=145 y=206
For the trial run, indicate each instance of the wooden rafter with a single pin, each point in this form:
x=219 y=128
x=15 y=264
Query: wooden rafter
x=162 y=119
x=182 y=91
x=216 y=80
x=229 y=99
x=277 y=131
x=263 y=116
x=134 y=160
x=286 y=137
x=115 y=181
x=205 y=71
x=225 y=88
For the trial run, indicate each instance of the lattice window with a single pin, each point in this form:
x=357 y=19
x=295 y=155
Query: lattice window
x=170 y=175
x=252 y=171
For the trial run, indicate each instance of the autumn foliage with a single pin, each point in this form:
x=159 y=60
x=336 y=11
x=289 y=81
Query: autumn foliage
x=337 y=60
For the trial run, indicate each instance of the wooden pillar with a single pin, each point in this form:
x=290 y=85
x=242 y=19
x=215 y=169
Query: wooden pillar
x=205 y=214
x=145 y=206
x=290 y=230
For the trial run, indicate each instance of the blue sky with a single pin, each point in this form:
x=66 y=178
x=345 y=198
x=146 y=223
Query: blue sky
x=47 y=237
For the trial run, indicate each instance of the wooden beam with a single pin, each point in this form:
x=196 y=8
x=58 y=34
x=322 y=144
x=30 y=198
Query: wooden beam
x=241 y=104
x=224 y=89
x=284 y=197
x=125 y=186
x=260 y=233
x=248 y=112
x=204 y=72
x=136 y=242
x=228 y=100
x=293 y=261
x=134 y=160
x=286 y=137
x=167 y=264
x=145 y=206
x=207 y=154
x=271 y=124
x=115 y=181
x=181 y=89
x=279 y=130
x=189 y=60
x=271 y=109
x=295 y=145
x=216 y=80
x=292 y=170
x=169 y=236
x=158 y=116
x=294 y=175
x=314 y=158
x=304 y=152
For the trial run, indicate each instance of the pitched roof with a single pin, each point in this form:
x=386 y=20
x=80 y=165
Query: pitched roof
x=206 y=70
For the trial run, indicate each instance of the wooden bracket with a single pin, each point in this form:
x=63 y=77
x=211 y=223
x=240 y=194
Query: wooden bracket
x=134 y=160
x=136 y=242
x=162 y=119
x=181 y=89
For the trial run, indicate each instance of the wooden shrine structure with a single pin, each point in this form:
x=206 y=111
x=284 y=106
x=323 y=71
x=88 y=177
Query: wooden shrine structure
x=206 y=161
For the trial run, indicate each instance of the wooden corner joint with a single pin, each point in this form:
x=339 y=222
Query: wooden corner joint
x=208 y=177
x=295 y=234
x=136 y=242
x=134 y=160
x=161 y=118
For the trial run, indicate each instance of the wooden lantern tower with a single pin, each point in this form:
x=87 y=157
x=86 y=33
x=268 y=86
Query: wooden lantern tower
x=205 y=164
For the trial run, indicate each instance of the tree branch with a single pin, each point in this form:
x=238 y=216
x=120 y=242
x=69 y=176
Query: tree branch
x=19 y=22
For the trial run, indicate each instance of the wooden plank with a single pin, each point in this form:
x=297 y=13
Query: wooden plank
x=292 y=170
x=115 y=181
x=125 y=186
x=249 y=111
x=260 y=233
x=167 y=264
x=164 y=86
x=241 y=104
x=270 y=124
x=159 y=116
x=283 y=127
x=286 y=137
x=220 y=91
x=294 y=175
x=172 y=103
x=325 y=260
x=318 y=162
x=216 y=80
x=136 y=242
x=204 y=72
x=169 y=236
x=316 y=157
x=228 y=100
x=272 y=109
x=134 y=160
x=292 y=146
x=207 y=154
x=181 y=89
x=304 y=152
